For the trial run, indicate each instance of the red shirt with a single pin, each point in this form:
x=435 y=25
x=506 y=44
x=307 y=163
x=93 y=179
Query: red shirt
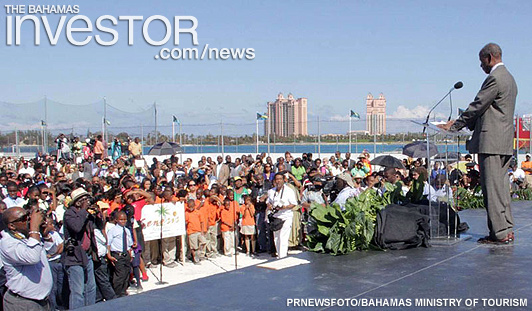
x=138 y=205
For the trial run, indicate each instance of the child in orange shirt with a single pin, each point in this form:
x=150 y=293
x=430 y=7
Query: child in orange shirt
x=228 y=222
x=194 y=223
x=248 y=224
x=210 y=207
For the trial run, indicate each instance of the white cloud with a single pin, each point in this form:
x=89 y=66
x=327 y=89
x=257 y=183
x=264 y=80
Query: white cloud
x=341 y=118
x=419 y=112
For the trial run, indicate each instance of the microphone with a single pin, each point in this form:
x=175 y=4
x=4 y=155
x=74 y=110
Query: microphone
x=456 y=86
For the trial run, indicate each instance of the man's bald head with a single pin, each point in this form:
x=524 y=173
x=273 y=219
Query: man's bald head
x=491 y=49
x=12 y=214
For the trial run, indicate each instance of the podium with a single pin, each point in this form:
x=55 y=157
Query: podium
x=447 y=237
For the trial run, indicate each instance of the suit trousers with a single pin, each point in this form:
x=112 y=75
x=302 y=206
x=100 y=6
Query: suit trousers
x=495 y=189
x=121 y=270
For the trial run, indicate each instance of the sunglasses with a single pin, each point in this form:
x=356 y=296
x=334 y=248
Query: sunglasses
x=190 y=185
x=22 y=218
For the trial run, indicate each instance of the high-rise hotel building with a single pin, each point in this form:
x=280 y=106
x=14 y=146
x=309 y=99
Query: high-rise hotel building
x=287 y=116
x=376 y=114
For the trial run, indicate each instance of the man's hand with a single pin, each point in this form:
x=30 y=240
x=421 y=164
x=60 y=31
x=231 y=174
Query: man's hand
x=111 y=259
x=36 y=220
x=446 y=126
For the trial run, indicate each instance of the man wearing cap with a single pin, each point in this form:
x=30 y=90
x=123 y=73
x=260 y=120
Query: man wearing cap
x=360 y=170
x=80 y=249
x=23 y=254
x=347 y=188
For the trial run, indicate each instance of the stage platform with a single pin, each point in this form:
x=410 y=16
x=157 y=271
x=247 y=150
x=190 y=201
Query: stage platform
x=464 y=270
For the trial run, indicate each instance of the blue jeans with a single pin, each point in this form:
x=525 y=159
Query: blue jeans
x=57 y=289
x=263 y=235
x=82 y=285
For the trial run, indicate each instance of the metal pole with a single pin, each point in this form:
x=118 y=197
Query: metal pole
x=16 y=142
x=374 y=126
x=222 y=136
x=356 y=143
x=181 y=144
x=104 y=126
x=530 y=133
x=269 y=130
x=155 y=112
x=257 y=148
x=319 y=138
x=517 y=135
x=350 y=128
x=173 y=131
x=45 y=141
x=142 y=137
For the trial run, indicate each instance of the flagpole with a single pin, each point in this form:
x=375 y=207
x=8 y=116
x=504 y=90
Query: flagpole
x=173 y=131
x=319 y=138
x=222 y=136
x=156 y=134
x=45 y=128
x=269 y=130
x=104 y=127
x=350 y=128
x=257 y=149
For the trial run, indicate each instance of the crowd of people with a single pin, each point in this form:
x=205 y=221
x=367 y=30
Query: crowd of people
x=73 y=228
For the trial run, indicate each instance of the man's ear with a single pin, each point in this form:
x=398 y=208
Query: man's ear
x=11 y=227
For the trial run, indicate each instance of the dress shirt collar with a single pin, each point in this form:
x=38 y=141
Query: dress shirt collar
x=496 y=65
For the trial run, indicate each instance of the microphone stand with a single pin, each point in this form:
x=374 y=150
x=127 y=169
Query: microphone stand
x=451 y=103
x=434 y=107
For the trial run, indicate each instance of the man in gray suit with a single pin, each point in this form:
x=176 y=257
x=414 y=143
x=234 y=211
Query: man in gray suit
x=490 y=117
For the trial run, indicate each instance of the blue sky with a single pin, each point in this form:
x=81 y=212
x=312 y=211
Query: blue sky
x=332 y=52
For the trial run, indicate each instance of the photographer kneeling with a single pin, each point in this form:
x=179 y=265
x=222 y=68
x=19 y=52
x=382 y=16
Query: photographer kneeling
x=281 y=200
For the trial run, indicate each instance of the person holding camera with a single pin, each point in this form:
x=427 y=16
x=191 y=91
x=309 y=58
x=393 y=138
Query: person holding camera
x=23 y=253
x=281 y=200
x=80 y=249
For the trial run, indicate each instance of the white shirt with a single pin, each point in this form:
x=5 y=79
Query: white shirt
x=28 y=170
x=16 y=202
x=518 y=174
x=345 y=194
x=101 y=242
x=27 y=270
x=51 y=248
x=495 y=67
x=283 y=197
x=114 y=238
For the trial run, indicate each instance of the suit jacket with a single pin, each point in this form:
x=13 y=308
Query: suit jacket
x=490 y=115
x=223 y=176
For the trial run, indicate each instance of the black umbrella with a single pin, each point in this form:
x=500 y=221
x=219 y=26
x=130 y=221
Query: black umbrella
x=418 y=149
x=387 y=161
x=451 y=156
x=165 y=148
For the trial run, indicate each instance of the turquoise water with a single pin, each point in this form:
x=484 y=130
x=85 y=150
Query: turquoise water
x=298 y=148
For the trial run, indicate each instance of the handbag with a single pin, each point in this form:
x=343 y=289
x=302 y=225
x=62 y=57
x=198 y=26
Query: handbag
x=275 y=223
